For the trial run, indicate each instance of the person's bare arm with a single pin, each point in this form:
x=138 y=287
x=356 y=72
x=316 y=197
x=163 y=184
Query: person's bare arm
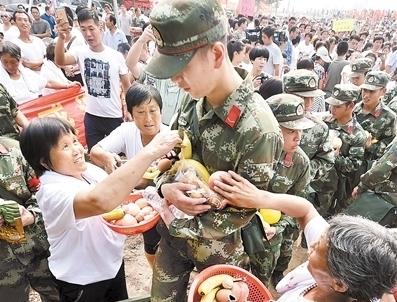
x=104 y=159
x=110 y=192
x=240 y=192
x=62 y=58
x=21 y=119
x=136 y=50
x=277 y=70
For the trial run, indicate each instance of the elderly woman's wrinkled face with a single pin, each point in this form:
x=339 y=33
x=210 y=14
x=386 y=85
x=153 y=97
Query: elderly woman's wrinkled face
x=318 y=265
x=147 y=117
x=10 y=63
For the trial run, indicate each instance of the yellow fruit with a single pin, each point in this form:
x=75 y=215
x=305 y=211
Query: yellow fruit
x=212 y=282
x=186 y=147
x=115 y=214
x=210 y=297
x=151 y=173
x=270 y=216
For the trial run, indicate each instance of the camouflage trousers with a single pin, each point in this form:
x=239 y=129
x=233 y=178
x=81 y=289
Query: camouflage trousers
x=25 y=265
x=268 y=256
x=17 y=278
x=176 y=258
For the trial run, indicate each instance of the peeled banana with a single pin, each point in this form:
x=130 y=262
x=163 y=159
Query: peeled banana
x=212 y=283
x=186 y=145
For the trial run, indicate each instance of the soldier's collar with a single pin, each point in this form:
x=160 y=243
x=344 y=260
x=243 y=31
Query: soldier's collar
x=234 y=106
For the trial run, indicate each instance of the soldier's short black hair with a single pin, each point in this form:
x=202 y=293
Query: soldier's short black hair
x=39 y=137
x=140 y=93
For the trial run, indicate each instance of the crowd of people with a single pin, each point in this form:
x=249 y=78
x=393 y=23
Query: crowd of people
x=301 y=117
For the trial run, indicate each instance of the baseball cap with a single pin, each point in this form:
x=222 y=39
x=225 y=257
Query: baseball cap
x=360 y=66
x=289 y=111
x=302 y=82
x=343 y=93
x=322 y=52
x=180 y=28
x=375 y=80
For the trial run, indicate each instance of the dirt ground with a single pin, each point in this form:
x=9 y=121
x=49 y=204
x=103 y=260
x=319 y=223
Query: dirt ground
x=139 y=273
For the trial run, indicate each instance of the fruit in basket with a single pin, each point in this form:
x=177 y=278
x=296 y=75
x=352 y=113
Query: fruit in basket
x=212 y=282
x=225 y=295
x=131 y=208
x=146 y=211
x=244 y=291
x=141 y=203
x=115 y=214
x=210 y=297
x=127 y=220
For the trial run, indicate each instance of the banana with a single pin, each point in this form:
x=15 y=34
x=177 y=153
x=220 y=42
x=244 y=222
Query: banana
x=210 y=297
x=211 y=283
x=186 y=146
x=151 y=173
x=115 y=214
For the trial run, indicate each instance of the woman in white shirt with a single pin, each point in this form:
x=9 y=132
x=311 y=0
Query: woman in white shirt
x=350 y=258
x=86 y=256
x=22 y=83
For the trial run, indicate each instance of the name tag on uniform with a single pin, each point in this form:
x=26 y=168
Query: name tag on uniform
x=233 y=116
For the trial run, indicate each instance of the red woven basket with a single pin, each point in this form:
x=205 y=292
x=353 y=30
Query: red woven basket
x=257 y=290
x=139 y=228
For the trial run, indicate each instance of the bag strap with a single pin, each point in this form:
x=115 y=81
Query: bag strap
x=70 y=42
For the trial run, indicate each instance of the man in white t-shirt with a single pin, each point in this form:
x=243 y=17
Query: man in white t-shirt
x=102 y=69
x=275 y=61
x=33 y=49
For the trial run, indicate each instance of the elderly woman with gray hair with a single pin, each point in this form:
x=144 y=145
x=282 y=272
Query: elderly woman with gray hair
x=22 y=83
x=350 y=258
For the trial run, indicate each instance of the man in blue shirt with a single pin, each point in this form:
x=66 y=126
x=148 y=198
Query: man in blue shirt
x=48 y=16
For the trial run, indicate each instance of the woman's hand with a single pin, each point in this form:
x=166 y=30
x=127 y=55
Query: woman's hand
x=163 y=143
x=26 y=216
x=238 y=191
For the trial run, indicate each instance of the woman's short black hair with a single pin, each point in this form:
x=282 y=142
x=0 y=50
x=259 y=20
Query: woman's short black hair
x=39 y=137
x=233 y=46
x=140 y=93
x=258 y=51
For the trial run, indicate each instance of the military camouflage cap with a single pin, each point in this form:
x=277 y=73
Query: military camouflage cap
x=375 y=80
x=289 y=111
x=302 y=82
x=360 y=66
x=343 y=93
x=180 y=27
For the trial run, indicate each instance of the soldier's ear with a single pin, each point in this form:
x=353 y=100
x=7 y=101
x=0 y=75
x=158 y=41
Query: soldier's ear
x=218 y=51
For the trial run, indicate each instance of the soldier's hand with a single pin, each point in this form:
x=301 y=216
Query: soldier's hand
x=237 y=190
x=355 y=193
x=174 y=193
x=26 y=216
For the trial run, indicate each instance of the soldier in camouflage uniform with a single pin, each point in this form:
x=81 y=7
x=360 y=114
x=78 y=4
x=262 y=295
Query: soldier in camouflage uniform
x=360 y=68
x=230 y=127
x=350 y=154
x=316 y=141
x=393 y=105
x=292 y=176
x=382 y=177
x=375 y=117
x=23 y=265
x=10 y=116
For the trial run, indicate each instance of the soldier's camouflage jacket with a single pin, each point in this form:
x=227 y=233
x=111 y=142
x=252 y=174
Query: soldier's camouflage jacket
x=8 y=112
x=16 y=176
x=243 y=136
x=381 y=123
x=393 y=105
x=317 y=146
x=382 y=177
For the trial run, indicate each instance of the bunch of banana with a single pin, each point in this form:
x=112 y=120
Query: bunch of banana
x=223 y=288
x=186 y=145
